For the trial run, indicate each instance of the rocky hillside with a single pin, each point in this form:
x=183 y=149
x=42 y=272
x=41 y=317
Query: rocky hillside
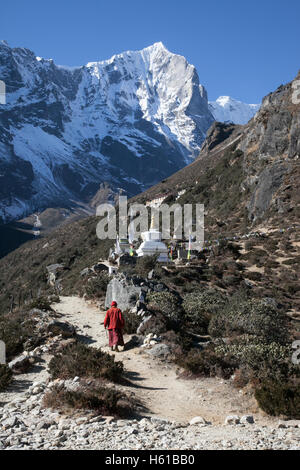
x=245 y=175
x=228 y=316
x=129 y=121
x=247 y=178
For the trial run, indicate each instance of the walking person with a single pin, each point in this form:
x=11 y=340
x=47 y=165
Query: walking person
x=114 y=322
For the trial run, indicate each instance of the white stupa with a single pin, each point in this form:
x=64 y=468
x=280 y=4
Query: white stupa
x=152 y=244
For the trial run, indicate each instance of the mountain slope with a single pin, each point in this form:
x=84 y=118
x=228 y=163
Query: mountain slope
x=128 y=121
x=227 y=109
x=246 y=176
x=255 y=166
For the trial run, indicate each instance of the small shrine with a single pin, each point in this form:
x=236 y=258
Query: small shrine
x=153 y=245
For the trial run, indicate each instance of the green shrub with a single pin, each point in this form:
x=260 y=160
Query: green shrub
x=11 y=334
x=200 y=306
x=145 y=264
x=132 y=322
x=279 y=399
x=54 y=298
x=80 y=360
x=231 y=280
x=5 y=376
x=292 y=287
x=254 y=275
x=250 y=316
x=178 y=341
x=92 y=397
x=265 y=361
x=157 y=324
x=271 y=264
x=207 y=363
x=41 y=303
x=167 y=303
x=291 y=261
x=249 y=244
x=96 y=287
x=15 y=331
x=270 y=244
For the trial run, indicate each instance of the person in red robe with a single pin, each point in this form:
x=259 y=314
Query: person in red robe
x=114 y=322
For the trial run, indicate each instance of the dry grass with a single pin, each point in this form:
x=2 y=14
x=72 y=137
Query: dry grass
x=90 y=395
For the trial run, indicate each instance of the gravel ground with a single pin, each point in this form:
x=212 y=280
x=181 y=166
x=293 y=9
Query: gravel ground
x=171 y=405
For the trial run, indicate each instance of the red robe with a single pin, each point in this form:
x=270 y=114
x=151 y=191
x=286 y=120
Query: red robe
x=114 y=322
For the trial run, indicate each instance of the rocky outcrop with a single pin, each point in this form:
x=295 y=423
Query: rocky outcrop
x=130 y=291
x=21 y=363
x=271 y=147
x=217 y=134
x=248 y=173
x=123 y=291
x=268 y=182
x=53 y=271
x=275 y=130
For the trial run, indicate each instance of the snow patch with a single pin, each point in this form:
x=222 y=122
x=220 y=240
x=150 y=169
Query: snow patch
x=227 y=109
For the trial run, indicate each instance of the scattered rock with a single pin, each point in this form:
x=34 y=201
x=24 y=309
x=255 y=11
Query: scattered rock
x=85 y=272
x=232 y=419
x=21 y=363
x=247 y=419
x=198 y=420
x=160 y=350
x=62 y=328
x=295 y=423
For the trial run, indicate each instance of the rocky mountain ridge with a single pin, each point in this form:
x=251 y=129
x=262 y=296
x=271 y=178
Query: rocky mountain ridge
x=248 y=172
x=128 y=121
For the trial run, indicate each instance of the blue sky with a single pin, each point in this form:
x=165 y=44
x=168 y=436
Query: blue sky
x=240 y=48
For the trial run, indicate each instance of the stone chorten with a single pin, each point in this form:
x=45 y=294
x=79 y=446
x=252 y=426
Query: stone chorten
x=152 y=244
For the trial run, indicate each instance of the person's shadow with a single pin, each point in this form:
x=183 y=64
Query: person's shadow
x=134 y=342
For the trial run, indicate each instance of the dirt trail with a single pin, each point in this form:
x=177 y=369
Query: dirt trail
x=155 y=383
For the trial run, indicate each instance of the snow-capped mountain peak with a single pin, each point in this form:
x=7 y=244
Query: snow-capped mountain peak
x=227 y=109
x=131 y=121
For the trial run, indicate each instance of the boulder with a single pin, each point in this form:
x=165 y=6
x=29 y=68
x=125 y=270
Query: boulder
x=59 y=346
x=53 y=270
x=232 y=419
x=62 y=328
x=85 y=272
x=123 y=291
x=247 y=419
x=10 y=422
x=198 y=420
x=97 y=268
x=150 y=274
x=21 y=363
x=142 y=327
x=159 y=350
